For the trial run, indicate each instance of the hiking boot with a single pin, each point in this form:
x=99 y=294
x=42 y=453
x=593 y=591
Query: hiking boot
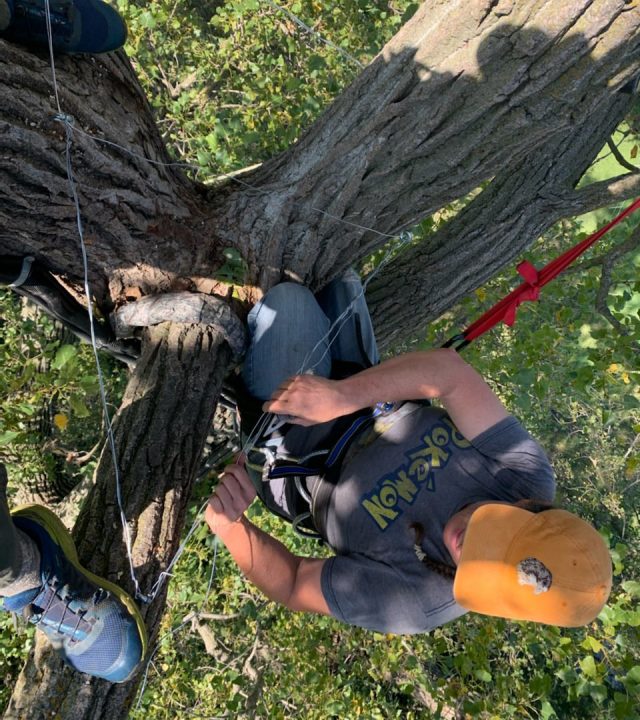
x=77 y=26
x=93 y=624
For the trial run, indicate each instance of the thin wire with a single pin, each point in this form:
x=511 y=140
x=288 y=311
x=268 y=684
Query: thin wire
x=101 y=383
x=231 y=176
x=314 y=33
x=179 y=627
x=67 y=121
x=53 y=65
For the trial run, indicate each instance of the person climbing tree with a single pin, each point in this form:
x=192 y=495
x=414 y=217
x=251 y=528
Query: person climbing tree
x=430 y=512
x=464 y=97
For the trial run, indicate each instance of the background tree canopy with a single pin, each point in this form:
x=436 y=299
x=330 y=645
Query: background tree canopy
x=232 y=84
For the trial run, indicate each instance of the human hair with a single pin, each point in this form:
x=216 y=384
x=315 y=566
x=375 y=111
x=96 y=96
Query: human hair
x=447 y=570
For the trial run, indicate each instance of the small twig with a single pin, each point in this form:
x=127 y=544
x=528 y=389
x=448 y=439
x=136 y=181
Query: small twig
x=210 y=616
x=630 y=448
x=247 y=667
x=73 y=457
x=635 y=482
x=620 y=157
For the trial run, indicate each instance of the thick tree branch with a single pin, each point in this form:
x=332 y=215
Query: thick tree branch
x=494 y=229
x=601 y=194
x=160 y=431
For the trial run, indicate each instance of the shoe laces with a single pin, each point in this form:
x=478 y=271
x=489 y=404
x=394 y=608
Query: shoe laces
x=58 y=601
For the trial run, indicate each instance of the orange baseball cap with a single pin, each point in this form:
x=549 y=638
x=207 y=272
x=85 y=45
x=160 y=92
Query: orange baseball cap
x=550 y=567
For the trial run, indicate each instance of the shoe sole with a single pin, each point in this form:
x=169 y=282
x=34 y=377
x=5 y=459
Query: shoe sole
x=54 y=526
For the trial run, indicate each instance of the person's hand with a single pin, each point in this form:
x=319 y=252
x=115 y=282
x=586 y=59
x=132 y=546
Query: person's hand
x=308 y=400
x=232 y=496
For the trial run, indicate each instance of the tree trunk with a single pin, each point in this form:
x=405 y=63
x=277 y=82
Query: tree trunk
x=465 y=92
x=160 y=430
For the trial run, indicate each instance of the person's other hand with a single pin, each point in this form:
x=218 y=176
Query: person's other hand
x=232 y=496
x=308 y=400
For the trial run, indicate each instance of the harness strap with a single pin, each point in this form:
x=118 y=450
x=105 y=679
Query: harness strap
x=323 y=467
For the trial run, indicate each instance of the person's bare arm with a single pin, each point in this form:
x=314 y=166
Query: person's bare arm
x=443 y=374
x=288 y=579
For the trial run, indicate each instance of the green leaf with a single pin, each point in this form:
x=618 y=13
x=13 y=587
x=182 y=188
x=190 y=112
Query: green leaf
x=590 y=643
x=63 y=355
x=316 y=62
x=7 y=437
x=525 y=377
x=633 y=675
x=147 y=20
x=79 y=408
x=547 y=711
x=598 y=692
x=588 y=665
x=632 y=587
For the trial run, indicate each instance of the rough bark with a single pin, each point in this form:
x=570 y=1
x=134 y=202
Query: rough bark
x=465 y=92
x=141 y=218
x=160 y=430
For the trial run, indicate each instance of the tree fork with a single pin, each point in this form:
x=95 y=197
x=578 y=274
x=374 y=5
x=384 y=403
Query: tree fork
x=160 y=431
x=461 y=93
x=514 y=209
x=146 y=223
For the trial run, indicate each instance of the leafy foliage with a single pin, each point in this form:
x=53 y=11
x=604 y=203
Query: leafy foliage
x=231 y=84
x=245 y=80
x=49 y=408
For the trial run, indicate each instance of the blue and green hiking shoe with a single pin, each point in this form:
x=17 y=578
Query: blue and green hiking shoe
x=77 y=26
x=93 y=624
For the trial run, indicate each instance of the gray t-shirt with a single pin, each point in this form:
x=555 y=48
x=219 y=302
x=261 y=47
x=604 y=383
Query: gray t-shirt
x=414 y=466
